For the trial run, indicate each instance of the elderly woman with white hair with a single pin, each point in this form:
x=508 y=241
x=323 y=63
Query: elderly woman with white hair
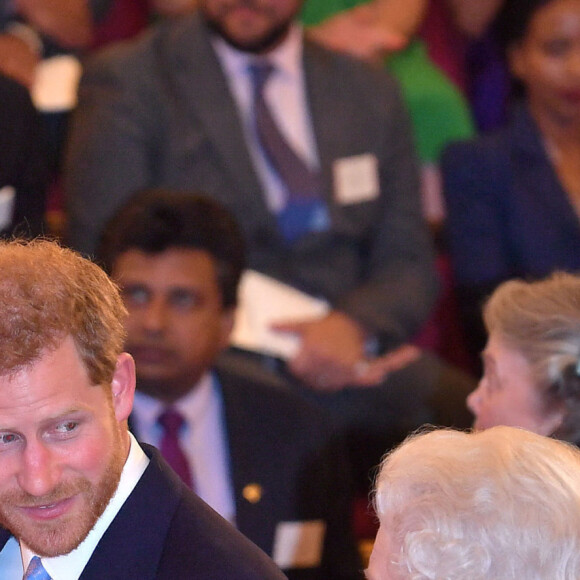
x=532 y=358
x=501 y=504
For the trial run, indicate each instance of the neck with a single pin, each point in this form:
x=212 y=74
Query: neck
x=563 y=130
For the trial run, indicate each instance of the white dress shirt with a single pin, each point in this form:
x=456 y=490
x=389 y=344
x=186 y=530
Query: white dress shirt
x=203 y=439
x=285 y=94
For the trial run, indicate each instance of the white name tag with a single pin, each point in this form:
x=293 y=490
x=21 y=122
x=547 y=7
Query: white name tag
x=299 y=544
x=356 y=179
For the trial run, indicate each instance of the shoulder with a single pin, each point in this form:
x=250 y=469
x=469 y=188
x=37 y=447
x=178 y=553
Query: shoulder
x=347 y=73
x=201 y=544
x=160 y=44
x=264 y=402
x=520 y=133
x=252 y=385
x=196 y=541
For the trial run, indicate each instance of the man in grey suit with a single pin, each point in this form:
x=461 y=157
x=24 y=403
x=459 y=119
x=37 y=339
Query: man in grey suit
x=181 y=107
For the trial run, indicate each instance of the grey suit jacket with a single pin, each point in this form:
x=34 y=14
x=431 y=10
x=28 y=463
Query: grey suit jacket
x=158 y=112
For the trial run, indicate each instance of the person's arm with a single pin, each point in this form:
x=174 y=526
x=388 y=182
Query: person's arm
x=371 y=30
x=398 y=283
x=403 y=17
x=66 y=22
x=24 y=163
x=475 y=180
x=18 y=58
x=108 y=152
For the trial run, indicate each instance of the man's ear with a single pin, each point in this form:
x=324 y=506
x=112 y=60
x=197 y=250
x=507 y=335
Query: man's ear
x=123 y=386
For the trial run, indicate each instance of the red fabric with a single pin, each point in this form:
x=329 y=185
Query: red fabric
x=125 y=19
x=445 y=44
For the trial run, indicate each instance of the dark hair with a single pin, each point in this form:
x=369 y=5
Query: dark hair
x=510 y=27
x=156 y=220
x=513 y=20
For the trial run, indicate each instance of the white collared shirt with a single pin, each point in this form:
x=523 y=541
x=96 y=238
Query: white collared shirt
x=203 y=440
x=14 y=559
x=285 y=94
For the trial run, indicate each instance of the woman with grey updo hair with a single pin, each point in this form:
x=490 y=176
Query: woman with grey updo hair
x=500 y=504
x=532 y=358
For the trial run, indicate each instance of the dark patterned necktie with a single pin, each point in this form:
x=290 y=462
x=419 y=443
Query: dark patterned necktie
x=36 y=571
x=172 y=422
x=304 y=207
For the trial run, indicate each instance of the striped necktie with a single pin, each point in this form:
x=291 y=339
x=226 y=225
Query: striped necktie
x=304 y=207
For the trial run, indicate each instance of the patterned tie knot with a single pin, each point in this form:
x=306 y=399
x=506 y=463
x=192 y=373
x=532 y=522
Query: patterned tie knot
x=171 y=420
x=260 y=72
x=36 y=571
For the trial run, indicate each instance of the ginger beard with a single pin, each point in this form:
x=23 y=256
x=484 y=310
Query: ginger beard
x=61 y=535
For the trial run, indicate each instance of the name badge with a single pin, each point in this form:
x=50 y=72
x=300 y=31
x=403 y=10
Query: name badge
x=299 y=544
x=356 y=179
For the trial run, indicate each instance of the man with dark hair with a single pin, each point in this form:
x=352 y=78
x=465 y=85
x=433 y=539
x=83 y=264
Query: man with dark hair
x=251 y=448
x=313 y=153
x=79 y=497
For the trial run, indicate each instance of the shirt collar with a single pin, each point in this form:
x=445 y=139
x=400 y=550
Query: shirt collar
x=191 y=406
x=71 y=565
x=286 y=58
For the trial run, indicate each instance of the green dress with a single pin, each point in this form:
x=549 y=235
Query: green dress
x=439 y=112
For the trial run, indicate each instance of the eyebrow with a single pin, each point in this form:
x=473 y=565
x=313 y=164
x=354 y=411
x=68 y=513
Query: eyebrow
x=51 y=419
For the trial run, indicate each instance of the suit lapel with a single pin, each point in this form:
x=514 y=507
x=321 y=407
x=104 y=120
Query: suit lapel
x=252 y=515
x=209 y=99
x=535 y=179
x=118 y=552
x=4 y=537
x=319 y=85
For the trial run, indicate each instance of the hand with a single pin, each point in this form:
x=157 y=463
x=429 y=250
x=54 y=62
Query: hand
x=68 y=22
x=17 y=59
x=360 y=32
x=374 y=371
x=330 y=349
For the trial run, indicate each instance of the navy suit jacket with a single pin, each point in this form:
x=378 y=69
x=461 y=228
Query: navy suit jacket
x=165 y=532
x=282 y=445
x=508 y=215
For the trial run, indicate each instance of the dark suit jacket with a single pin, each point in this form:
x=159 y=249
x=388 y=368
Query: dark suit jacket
x=284 y=444
x=165 y=532
x=158 y=112
x=508 y=215
x=23 y=158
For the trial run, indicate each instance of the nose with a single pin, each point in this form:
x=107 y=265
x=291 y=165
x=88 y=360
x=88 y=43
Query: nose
x=473 y=399
x=155 y=315
x=40 y=471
